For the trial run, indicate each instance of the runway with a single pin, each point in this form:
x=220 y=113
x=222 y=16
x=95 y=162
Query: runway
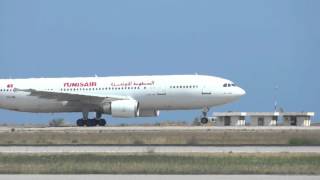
x=153 y=128
x=156 y=177
x=159 y=149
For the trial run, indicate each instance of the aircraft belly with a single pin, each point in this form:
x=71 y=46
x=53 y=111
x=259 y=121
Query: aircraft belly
x=180 y=102
x=168 y=102
x=31 y=104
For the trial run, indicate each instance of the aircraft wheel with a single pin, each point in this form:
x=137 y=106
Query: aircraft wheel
x=204 y=120
x=102 y=122
x=80 y=122
x=92 y=122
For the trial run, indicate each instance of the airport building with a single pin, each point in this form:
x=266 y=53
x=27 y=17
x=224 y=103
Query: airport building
x=230 y=119
x=262 y=118
x=297 y=119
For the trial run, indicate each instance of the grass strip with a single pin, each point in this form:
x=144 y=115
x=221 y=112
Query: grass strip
x=216 y=137
x=152 y=163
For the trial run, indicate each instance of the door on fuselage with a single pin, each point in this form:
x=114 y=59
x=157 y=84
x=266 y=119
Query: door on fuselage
x=161 y=91
x=206 y=91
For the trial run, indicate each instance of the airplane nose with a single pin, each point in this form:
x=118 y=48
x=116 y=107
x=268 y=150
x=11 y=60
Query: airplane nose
x=242 y=92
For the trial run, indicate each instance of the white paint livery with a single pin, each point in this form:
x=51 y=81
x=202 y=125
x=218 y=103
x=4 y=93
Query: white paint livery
x=126 y=96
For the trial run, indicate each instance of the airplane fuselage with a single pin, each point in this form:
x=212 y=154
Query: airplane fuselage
x=172 y=92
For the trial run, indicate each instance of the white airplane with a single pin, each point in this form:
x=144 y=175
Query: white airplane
x=125 y=97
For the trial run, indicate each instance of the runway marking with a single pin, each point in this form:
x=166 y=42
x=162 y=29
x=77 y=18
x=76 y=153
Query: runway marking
x=159 y=149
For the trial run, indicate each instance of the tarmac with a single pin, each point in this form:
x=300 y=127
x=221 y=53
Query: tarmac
x=158 y=149
x=153 y=128
x=158 y=177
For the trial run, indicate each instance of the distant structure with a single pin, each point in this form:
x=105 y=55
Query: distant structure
x=297 y=119
x=230 y=118
x=263 y=118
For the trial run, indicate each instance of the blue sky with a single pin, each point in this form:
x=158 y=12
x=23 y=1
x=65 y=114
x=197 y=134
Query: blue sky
x=258 y=44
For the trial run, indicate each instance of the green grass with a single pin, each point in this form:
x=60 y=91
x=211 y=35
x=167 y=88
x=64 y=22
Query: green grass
x=213 y=137
x=304 y=141
x=160 y=164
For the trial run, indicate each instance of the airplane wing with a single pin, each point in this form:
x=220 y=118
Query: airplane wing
x=84 y=98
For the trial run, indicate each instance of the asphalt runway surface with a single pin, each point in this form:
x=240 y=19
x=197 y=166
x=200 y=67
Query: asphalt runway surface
x=159 y=149
x=157 y=177
x=153 y=128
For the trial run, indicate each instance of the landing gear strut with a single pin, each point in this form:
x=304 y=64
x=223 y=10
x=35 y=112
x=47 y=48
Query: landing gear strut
x=204 y=119
x=91 y=122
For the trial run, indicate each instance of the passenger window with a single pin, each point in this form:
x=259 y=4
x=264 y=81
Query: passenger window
x=225 y=85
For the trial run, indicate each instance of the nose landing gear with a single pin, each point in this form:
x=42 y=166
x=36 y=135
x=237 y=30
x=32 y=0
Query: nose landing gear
x=204 y=119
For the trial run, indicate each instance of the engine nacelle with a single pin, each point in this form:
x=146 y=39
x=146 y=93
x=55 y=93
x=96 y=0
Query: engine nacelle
x=149 y=113
x=125 y=108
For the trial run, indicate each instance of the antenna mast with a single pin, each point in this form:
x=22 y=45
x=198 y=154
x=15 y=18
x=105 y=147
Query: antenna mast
x=275 y=98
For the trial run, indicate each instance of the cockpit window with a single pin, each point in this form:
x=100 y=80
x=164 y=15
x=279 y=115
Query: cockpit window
x=229 y=85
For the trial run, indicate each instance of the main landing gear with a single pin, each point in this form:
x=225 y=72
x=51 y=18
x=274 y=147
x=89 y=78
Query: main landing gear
x=85 y=121
x=204 y=119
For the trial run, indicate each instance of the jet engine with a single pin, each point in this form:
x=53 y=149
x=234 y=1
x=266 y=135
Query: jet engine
x=125 y=108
